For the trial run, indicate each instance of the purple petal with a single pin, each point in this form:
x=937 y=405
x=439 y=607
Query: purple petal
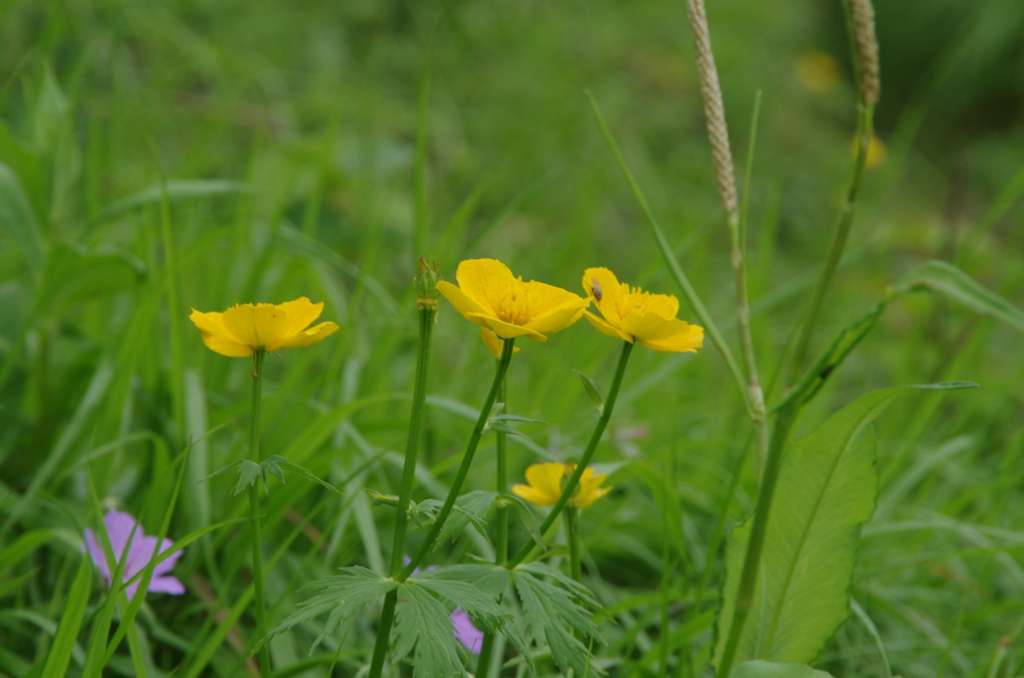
x=467 y=634
x=167 y=585
x=167 y=565
x=96 y=553
x=119 y=529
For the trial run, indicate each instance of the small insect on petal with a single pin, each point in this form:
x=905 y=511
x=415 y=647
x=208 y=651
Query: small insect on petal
x=597 y=289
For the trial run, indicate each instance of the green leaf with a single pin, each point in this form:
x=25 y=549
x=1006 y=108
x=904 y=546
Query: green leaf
x=176 y=190
x=423 y=626
x=281 y=462
x=469 y=508
x=16 y=214
x=272 y=466
x=480 y=605
x=493 y=580
x=551 y=615
x=70 y=621
x=762 y=669
x=74 y=274
x=22 y=547
x=247 y=474
x=342 y=596
x=941 y=276
x=826 y=490
x=593 y=390
x=529 y=520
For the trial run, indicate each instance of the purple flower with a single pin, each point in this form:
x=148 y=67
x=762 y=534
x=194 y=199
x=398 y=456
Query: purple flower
x=119 y=528
x=465 y=632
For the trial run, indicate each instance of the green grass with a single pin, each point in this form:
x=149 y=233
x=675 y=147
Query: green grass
x=287 y=139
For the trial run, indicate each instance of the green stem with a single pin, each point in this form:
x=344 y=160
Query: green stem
x=254 y=510
x=748 y=577
x=483 y=665
x=572 y=536
x=467 y=460
x=427 y=313
x=835 y=253
x=595 y=438
x=419 y=394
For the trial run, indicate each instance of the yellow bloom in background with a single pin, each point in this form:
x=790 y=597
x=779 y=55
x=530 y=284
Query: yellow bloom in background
x=816 y=71
x=876 y=151
x=546 y=485
x=493 y=344
x=490 y=296
x=635 y=315
x=244 y=328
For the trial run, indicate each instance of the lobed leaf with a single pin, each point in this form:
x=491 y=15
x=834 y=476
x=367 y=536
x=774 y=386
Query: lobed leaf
x=763 y=669
x=551 y=615
x=469 y=508
x=423 y=626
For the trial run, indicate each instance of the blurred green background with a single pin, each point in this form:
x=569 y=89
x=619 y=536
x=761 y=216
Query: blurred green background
x=287 y=136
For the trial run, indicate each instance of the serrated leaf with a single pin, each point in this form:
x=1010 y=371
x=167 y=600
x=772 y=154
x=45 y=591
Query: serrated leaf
x=469 y=508
x=577 y=589
x=481 y=606
x=342 y=596
x=247 y=474
x=550 y=614
x=272 y=466
x=493 y=580
x=826 y=490
x=763 y=669
x=423 y=626
x=593 y=390
x=942 y=276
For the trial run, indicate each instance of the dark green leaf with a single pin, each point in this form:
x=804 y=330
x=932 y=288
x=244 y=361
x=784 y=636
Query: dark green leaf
x=529 y=520
x=480 y=605
x=247 y=474
x=423 y=626
x=490 y=579
x=17 y=216
x=341 y=596
x=551 y=614
x=271 y=465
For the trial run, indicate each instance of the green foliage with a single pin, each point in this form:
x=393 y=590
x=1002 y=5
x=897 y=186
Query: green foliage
x=941 y=276
x=763 y=669
x=423 y=627
x=469 y=508
x=70 y=621
x=340 y=597
x=552 y=615
x=826 y=490
x=593 y=390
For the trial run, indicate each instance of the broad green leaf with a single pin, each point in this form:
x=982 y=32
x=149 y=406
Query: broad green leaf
x=470 y=507
x=342 y=596
x=423 y=626
x=70 y=621
x=762 y=669
x=826 y=490
x=552 y=614
x=944 y=277
x=17 y=216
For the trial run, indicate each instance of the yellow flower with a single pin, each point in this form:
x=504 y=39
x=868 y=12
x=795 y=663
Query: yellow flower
x=546 y=485
x=242 y=329
x=489 y=295
x=632 y=314
x=493 y=344
x=817 y=71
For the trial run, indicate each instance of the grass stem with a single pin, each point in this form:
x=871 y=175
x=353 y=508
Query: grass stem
x=254 y=510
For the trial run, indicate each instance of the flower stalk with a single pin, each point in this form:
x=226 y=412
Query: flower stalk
x=254 y=511
x=588 y=453
x=424 y=281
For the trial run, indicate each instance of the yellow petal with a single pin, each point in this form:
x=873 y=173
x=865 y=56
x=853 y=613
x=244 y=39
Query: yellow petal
x=588 y=499
x=479 y=279
x=493 y=344
x=257 y=326
x=533 y=496
x=546 y=479
x=503 y=329
x=217 y=337
x=462 y=303
x=589 y=490
x=553 y=309
x=652 y=327
x=231 y=349
x=605 y=327
x=606 y=291
x=313 y=335
x=683 y=342
x=301 y=314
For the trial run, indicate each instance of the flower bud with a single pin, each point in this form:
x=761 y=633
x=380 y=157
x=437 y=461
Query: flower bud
x=428 y=273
